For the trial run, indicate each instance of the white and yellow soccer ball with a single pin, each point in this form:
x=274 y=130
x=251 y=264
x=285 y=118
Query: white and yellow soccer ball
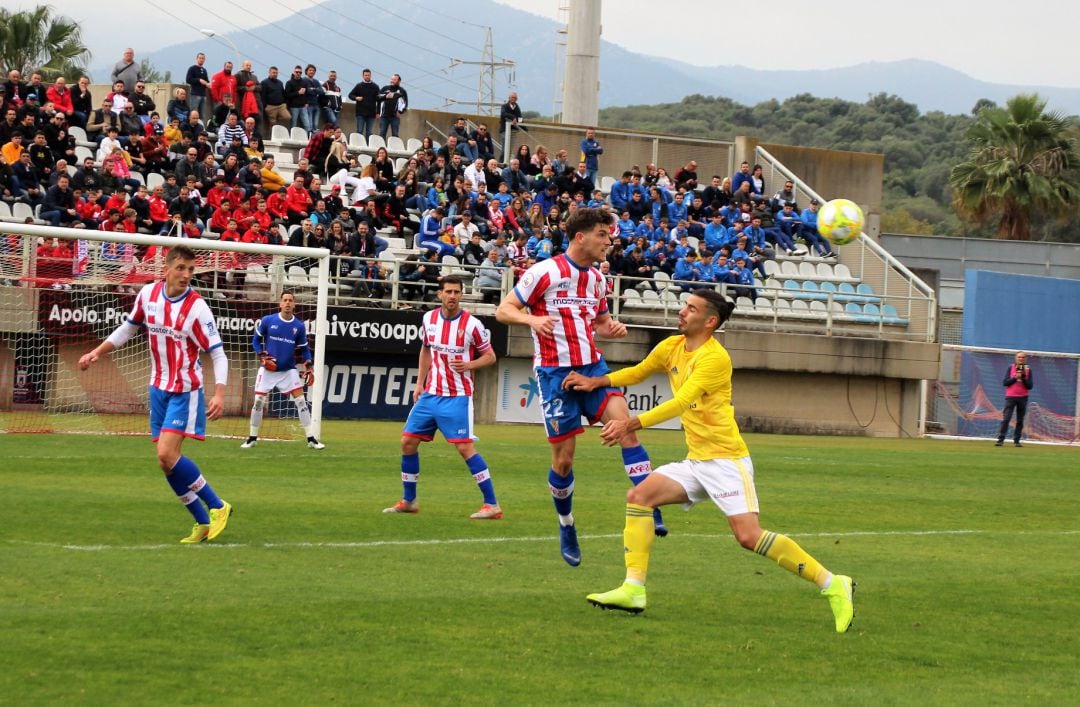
x=841 y=221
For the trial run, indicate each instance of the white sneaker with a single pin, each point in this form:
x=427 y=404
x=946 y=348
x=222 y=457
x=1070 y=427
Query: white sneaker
x=249 y=443
x=315 y=444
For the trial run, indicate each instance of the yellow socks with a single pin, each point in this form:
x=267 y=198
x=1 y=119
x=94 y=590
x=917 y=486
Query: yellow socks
x=638 y=535
x=787 y=554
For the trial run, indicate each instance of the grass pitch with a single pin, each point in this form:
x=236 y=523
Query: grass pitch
x=964 y=554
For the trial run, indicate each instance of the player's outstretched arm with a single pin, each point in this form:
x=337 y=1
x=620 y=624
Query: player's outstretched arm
x=512 y=311
x=105 y=347
x=615 y=430
x=576 y=381
x=610 y=328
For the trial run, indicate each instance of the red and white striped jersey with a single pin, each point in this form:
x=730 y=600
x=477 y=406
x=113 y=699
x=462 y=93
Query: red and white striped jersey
x=560 y=288
x=176 y=329
x=464 y=337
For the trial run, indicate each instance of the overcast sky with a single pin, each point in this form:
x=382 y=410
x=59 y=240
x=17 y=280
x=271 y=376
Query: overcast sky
x=986 y=39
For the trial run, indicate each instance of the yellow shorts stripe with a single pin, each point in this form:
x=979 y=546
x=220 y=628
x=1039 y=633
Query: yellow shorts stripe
x=748 y=485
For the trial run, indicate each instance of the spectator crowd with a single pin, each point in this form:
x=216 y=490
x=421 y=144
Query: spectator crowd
x=199 y=166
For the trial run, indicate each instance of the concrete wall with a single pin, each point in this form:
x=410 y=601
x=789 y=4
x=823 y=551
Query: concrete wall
x=796 y=384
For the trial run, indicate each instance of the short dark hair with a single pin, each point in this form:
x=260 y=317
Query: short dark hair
x=586 y=218
x=450 y=280
x=179 y=252
x=717 y=304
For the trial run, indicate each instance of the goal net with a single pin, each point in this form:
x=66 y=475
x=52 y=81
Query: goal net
x=969 y=395
x=60 y=296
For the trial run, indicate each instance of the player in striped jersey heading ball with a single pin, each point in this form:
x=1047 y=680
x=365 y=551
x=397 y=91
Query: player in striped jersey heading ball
x=178 y=324
x=563 y=300
x=455 y=344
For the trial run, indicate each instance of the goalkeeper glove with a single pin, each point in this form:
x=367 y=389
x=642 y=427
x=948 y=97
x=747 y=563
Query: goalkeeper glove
x=309 y=377
x=267 y=361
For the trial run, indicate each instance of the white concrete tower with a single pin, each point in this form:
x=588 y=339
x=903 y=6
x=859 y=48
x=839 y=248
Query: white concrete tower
x=581 y=86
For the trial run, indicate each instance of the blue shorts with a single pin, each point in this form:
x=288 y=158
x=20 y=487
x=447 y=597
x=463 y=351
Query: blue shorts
x=183 y=413
x=563 y=409
x=453 y=416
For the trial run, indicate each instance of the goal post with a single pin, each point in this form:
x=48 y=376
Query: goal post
x=63 y=289
x=969 y=394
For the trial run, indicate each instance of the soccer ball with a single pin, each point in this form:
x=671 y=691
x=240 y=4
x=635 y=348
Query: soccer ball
x=840 y=220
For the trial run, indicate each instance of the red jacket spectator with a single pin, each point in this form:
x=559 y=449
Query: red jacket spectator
x=62 y=100
x=297 y=199
x=275 y=205
x=223 y=82
x=220 y=220
x=159 y=209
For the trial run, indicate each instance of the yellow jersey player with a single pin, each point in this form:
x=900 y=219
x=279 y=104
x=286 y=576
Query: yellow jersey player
x=717 y=465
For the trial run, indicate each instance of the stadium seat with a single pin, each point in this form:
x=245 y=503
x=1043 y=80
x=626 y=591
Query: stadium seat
x=828 y=288
x=841 y=272
x=396 y=146
x=810 y=291
x=5 y=211
x=83 y=153
x=357 y=142
x=792 y=289
x=256 y=276
x=772 y=268
x=782 y=306
x=871 y=310
x=663 y=281
x=606 y=183
x=20 y=211
x=800 y=309
x=788 y=268
x=154 y=179
x=744 y=305
x=298 y=277
x=764 y=307
x=413 y=144
x=807 y=271
x=867 y=293
x=651 y=300
x=631 y=298
x=670 y=300
x=819 y=309
x=692 y=241
x=824 y=271
x=364 y=159
x=71 y=170
x=892 y=316
x=399 y=164
x=279 y=133
x=78 y=133
x=284 y=158
x=846 y=292
x=298 y=134
x=374 y=142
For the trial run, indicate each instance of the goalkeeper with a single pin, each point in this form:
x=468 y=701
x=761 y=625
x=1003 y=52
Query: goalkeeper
x=717 y=467
x=277 y=340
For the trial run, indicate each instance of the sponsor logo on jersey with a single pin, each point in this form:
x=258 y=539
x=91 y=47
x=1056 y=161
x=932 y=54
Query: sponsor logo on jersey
x=573 y=301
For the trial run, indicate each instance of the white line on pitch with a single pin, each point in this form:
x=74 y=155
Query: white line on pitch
x=522 y=539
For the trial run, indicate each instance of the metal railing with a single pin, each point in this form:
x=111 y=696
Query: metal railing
x=870 y=262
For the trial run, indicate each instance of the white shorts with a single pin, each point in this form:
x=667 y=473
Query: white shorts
x=728 y=482
x=285 y=381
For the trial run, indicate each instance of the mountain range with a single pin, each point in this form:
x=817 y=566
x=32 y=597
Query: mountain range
x=419 y=39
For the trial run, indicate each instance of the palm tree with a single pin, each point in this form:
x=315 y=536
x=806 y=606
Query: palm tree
x=1020 y=167
x=36 y=40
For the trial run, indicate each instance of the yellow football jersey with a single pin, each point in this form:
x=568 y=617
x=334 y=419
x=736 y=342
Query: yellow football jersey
x=701 y=383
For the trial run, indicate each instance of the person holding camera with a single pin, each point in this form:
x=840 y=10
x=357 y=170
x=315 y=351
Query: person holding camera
x=1017 y=385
